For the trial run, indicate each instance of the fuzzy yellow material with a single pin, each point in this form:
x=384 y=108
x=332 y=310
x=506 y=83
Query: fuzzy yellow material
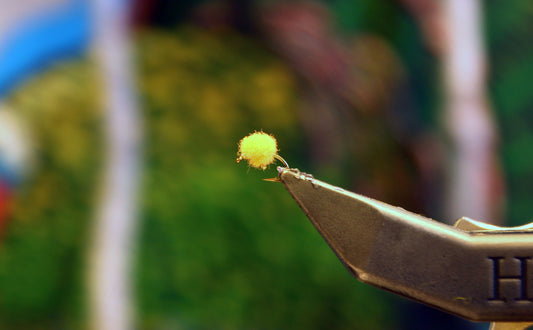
x=259 y=149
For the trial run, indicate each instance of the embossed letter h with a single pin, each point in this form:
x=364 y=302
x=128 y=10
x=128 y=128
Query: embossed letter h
x=498 y=278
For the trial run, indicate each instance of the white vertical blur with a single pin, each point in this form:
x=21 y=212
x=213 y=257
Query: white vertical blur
x=468 y=118
x=113 y=240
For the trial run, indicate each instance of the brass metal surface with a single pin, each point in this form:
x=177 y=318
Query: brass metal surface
x=476 y=271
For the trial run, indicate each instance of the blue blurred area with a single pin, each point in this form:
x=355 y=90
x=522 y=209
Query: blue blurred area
x=37 y=41
x=8 y=176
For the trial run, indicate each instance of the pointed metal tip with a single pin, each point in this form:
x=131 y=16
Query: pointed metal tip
x=272 y=179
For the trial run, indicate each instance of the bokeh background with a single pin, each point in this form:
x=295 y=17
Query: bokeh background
x=361 y=93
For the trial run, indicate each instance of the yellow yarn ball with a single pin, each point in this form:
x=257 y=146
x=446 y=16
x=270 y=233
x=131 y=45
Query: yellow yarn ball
x=259 y=149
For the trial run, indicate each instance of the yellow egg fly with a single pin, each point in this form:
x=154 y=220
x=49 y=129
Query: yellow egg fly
x=259 y=149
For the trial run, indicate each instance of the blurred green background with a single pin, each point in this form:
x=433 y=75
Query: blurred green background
x=219 y=247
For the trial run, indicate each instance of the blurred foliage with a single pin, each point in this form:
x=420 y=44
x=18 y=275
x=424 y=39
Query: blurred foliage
x=219 y=247
x=509 y=25
x=391 y=22
x=41 y=253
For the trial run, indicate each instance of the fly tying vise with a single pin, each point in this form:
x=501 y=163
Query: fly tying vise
x=474 y=270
